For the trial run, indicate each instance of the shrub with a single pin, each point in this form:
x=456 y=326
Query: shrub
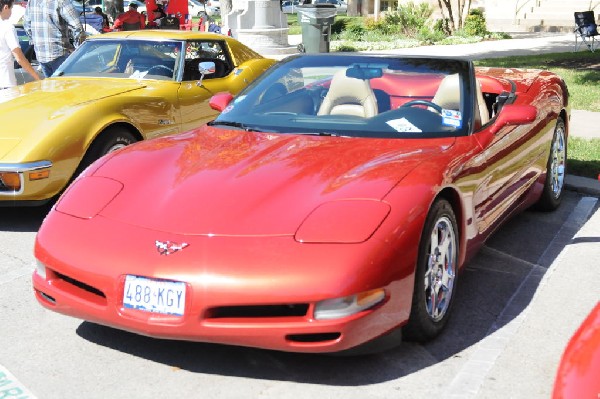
x=348 y=28
x=409 y=19
x=346 y=48
x=352 y=32
x=443 y=26
x=356 y=30
x=499 y=35
x=339 y=25
x=376 y=25
x=475 y=24
x=429 y=36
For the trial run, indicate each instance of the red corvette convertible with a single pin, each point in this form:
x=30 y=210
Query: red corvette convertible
x=579 y=368
x=331 y=204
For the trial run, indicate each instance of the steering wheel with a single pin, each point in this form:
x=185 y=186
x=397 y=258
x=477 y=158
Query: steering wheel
x=160 y=67
x=426 y=103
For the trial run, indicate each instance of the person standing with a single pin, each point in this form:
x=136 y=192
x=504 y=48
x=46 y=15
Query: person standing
x=9 y=48
x=105 y=21
x=157 y=16
x=47 y=23
x=130 y=20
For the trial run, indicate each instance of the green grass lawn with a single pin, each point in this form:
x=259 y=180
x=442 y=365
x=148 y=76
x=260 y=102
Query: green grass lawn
x=293 y=24
x=583 y=157
x=581 y=72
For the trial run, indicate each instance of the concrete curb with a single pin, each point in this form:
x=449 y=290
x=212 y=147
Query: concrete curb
x=583 y=185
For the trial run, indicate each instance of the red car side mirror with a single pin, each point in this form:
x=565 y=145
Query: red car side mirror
x=514 y=115
x=220 y=101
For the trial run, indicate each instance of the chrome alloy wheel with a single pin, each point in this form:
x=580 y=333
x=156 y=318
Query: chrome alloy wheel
x=441 y=268
x=558 y=159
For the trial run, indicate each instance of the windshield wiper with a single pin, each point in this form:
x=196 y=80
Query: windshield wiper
x=324 y=134
x=238 y=125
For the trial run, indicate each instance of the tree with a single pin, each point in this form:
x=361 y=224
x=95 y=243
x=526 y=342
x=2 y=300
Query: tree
x=354 y=8
x=455 y=12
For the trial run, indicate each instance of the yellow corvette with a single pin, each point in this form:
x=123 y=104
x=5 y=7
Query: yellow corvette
x=115 y=89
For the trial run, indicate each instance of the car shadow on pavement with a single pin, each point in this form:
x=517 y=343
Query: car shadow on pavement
x=23 y=219
x=504 y=275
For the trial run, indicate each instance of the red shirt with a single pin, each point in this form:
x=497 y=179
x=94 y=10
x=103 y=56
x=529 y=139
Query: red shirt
x=129 y=17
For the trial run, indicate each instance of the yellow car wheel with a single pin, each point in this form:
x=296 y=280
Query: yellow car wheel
x=108 y=141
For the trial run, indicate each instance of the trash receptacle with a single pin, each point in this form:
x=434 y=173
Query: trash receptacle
x=316 y=21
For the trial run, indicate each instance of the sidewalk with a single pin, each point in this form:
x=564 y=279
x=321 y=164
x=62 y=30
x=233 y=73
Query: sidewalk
x=517 y=46
x=583 y=123
x=520 y=44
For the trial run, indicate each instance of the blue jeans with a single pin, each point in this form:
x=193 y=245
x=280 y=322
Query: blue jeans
x=48 y=68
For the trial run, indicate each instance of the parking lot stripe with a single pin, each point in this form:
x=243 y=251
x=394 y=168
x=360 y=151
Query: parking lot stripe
x=10 y=387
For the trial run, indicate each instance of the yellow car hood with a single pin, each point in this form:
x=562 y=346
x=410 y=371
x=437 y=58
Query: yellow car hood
x=6 y=145
x=31 y=108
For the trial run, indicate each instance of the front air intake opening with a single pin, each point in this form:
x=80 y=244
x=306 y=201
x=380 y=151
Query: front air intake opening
x=47 y=297
x=258 y=311
x=314 y=338
x=81 y=285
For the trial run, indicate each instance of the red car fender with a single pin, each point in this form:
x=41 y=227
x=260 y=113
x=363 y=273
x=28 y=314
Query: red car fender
x=579 y=369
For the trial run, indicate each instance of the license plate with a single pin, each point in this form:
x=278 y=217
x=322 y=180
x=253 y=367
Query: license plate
x=150 y=295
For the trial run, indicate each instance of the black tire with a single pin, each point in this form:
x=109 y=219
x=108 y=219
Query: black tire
x=108 y=141
x=440 y=257
x=555 y=170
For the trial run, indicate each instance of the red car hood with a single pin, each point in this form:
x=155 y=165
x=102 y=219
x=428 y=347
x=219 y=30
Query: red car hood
x=223 y=182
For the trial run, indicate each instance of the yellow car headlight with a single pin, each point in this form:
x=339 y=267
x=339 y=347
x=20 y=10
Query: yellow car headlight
x=13 y=175
x=10 y=181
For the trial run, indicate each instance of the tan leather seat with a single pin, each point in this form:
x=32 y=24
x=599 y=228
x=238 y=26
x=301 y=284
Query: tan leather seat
x=484 y=113
x=447 y=96
x=349 y=96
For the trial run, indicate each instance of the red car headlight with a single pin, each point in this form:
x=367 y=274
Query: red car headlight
x=87 y=196
x=349 y=305
x=345 y=221
x=40 y=269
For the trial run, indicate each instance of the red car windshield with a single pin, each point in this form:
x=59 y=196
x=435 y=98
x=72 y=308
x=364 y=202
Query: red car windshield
x=357 y=95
